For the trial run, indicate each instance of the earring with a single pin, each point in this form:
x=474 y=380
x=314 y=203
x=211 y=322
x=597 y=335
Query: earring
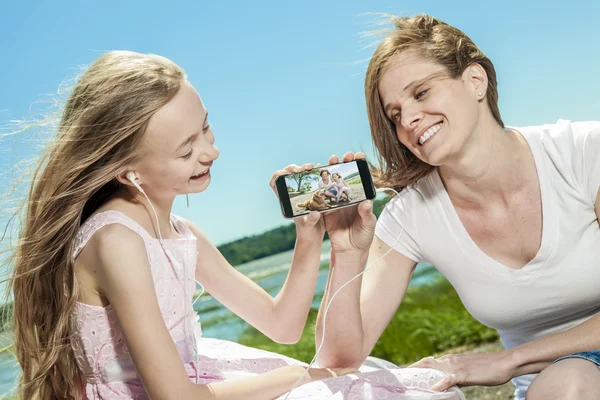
x=479 y=94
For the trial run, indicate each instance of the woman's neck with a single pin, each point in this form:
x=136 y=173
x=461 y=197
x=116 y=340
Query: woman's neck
x=491 y=167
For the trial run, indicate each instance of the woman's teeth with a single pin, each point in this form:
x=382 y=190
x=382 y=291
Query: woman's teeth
x=429 y=133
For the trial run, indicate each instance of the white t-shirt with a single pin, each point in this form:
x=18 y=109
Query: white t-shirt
x=560 y=287
x=329 y=185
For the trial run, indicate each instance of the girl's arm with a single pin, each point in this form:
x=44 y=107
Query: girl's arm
x=125 y=278
x=281 y=318
x=271 y=384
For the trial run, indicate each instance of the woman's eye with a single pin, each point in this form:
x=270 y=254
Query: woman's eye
x=421 y=94
x=188 y=155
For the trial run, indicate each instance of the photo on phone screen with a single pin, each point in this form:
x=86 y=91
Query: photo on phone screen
x=325 y=188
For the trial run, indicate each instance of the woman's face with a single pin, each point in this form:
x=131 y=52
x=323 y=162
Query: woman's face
x=178 y=147
x=434 y=114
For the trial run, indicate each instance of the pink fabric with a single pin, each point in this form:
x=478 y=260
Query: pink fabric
x=108 y=370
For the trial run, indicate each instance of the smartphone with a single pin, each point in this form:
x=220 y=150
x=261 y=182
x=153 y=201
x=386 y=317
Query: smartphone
x=325 y=188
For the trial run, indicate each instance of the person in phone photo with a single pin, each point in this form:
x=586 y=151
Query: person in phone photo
x=327 y=185
x=343 y=191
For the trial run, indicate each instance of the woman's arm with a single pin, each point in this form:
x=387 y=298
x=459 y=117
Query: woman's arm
x=532 y=357
x=363 y=309
x=528 y=358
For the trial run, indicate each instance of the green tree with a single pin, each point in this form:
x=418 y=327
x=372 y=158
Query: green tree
x=305 y=177
x=305 y=187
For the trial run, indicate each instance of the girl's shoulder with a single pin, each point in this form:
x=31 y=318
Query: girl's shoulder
x=108 y=223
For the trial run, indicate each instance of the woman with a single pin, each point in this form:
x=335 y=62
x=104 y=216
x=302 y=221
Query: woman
x=508 y=215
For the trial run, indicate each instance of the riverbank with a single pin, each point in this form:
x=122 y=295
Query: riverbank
x=430 y=321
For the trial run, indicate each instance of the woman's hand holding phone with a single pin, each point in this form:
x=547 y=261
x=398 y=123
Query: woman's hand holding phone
x=351 y=229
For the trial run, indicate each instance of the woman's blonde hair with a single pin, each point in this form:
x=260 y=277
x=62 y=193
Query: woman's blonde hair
x=99 y=134
x=432 y=40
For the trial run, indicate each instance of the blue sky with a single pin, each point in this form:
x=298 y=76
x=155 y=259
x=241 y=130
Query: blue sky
x=284 y=80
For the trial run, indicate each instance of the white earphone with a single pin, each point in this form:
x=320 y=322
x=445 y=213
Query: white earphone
x=133 y=179
x=131 y=176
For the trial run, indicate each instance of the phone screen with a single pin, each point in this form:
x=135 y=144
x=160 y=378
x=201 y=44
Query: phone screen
x=326 y=188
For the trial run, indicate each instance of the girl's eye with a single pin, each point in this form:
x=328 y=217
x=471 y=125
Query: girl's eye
x=206 y=128
x=188 y=155
x=395 y=117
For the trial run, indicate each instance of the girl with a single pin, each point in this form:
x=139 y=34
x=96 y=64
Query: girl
x=104 y=273
x=508 y=215
x=343 y=191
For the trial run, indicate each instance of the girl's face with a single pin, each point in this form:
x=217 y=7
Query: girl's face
x=178 y=147
x=434 y=115
x=336 y=178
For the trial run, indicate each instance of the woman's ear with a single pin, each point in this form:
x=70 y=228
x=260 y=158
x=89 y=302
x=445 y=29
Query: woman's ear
x=477 y=80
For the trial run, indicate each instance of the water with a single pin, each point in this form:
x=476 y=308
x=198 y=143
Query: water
x=9 y=369
x=217 y=321
x=270 y=273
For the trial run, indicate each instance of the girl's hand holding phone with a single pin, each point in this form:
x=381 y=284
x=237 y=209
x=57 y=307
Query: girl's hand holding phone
x=310 y=226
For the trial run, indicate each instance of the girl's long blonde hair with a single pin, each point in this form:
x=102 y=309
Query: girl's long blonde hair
x=99 y=134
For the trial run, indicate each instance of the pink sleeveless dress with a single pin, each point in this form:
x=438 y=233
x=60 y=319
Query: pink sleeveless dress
x=108 y=371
